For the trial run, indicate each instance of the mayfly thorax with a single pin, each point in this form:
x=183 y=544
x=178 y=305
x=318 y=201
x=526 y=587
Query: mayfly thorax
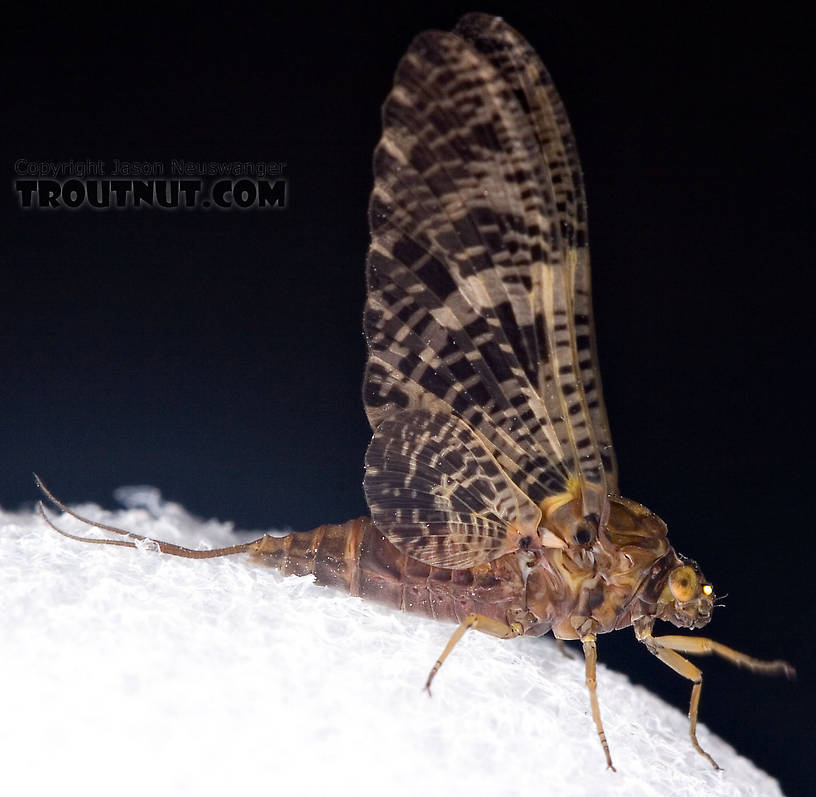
x=491 y=476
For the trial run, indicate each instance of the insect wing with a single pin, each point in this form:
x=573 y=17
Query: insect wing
x=473 y=270
x=442 y=497
x=513 y=57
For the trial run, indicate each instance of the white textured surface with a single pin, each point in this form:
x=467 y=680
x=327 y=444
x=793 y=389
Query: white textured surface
x=129 y=672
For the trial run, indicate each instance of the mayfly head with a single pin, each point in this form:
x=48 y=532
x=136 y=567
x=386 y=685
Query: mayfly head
x=687 y=599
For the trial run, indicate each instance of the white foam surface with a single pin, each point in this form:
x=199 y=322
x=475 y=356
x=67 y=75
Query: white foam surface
x=130 y=672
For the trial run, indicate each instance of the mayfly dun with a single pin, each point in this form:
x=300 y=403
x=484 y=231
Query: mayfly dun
x=491 y=476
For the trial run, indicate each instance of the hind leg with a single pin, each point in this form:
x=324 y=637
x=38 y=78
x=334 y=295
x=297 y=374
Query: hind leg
x=478 y=622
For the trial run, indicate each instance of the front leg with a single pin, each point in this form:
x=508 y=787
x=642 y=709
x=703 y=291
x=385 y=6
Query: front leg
x=666 y=647
x=684 y=667
x=703 y=646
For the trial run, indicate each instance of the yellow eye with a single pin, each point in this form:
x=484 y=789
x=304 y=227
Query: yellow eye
x=708 y=590
x=683 y=583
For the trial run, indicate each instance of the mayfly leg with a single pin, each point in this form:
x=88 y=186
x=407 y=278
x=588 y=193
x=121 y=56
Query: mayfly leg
x=666 y=649
x=478 y=622
x=684 y=667
x=591 y=656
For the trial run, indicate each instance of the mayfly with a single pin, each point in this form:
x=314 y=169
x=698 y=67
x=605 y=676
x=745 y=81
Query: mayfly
x=491 y=477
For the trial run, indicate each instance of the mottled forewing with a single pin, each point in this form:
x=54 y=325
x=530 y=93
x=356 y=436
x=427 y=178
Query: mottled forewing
x=473 y=268
x=439 y=495
x=459 y=222
x=520 y=66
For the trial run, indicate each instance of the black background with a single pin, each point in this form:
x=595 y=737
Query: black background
x=218 y=355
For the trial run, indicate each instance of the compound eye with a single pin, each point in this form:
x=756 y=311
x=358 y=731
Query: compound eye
x=683 y=583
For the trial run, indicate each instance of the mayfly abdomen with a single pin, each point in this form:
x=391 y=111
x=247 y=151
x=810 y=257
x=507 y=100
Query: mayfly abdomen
x=330 y=553
x=357 y=558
